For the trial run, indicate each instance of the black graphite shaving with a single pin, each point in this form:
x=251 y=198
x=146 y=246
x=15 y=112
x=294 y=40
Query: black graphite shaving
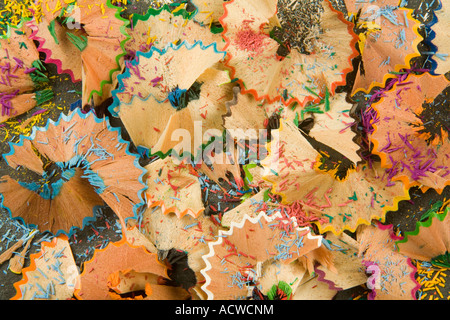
x=300 y=25
x=434 y=117
x=180 y=275
x=412 y=211
x=180 y=99
x=341 y=166
x=331 y=159
x=52 y=172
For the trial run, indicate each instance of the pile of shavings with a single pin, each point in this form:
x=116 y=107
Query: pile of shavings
x=337 y=110
x=13 y=13
x=433 y=282
x=62 y=93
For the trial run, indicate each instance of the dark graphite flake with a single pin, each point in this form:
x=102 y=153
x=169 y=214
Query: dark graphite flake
x=300 y=25
x=434 y=119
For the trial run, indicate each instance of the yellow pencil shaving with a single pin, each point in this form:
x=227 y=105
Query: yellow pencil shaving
x=421 y=281
x=428 y=289
x=57 y=7
x=436 y=275
x=151 y=40
x=445 y=204
x=439 y=293
x=180 y=7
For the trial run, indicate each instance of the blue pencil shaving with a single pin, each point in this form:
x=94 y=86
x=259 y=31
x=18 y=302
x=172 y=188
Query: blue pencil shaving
x=385 y=62
x=52 y=288
x=115 y=196
x=299 y=242
x=23 y=290
x=77 y=142
x=68 y=174
x=57 y=267
x=43 y=142
x=40 y=288
x=42 y=273
x=225 y=270
x=5 y=236
x=190 y=226
x=48 y=290
x=69 y=127
x=237 y=280
x=66 y=138
x=99 y=151
x=283 y=256
x=46 y=193
x=56 y=188
x=19 y=255
x=389 y=13
x=29 y=235
x=118 y=226
x=326 y=243
x=442 y=56
x=140 y=218
x=119 y=146
x=95 y=180
x=71 y=164
x=202 y=239
x=260 y=224
x=401 y=39
x=60 y=253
